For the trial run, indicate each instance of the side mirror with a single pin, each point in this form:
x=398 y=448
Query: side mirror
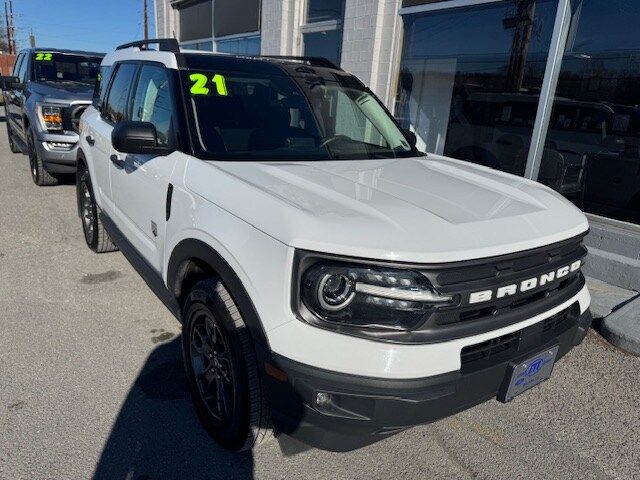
x=9 y=83
x=411 y=137
x=137 y=138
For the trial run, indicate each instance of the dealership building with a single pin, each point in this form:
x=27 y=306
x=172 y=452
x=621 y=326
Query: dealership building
x=546 y=89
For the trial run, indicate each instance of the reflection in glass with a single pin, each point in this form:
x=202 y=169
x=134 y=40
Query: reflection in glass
x=322 y=10
x=239 y=46
x=327 y=44
x=592 y=152
x=470 y=79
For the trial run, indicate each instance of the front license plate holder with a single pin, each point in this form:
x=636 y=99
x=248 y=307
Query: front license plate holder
x=522 y=376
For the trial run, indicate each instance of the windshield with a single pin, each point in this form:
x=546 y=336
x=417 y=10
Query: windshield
x=64 y=67
x=244 y=117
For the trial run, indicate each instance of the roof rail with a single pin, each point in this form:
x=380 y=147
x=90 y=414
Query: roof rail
x=312 y=61
x=164 y=44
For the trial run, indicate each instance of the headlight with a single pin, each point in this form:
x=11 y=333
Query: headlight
x=368 y=296
x=51 y=117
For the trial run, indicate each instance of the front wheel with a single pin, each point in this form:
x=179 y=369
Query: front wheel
x=222 y=369
x=95 y=234
x=39 y=175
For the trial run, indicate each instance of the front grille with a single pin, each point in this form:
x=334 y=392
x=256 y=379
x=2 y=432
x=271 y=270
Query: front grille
x=461 y=280
x=490 y=348
x=500 y=349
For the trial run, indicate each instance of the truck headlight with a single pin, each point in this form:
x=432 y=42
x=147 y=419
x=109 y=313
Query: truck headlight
x=51 y=117
x=368 y=296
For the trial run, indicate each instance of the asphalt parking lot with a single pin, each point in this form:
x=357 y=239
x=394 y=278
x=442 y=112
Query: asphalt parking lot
x=91 y=383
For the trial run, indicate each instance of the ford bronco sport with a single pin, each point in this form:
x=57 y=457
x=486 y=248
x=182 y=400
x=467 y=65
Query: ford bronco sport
x=333 y=282
x=44 y=100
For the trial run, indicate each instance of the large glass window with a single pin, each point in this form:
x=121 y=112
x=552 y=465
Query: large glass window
x=64 y=67
x=327 y=44
x=592 y=150
x=245 y=117
x=206 y=45
x=470 y=79
x=239 y=46
x=152 y=102
x=322 y=10
x=322 y=32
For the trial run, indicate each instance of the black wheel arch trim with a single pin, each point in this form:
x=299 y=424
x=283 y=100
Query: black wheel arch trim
x=192 y=249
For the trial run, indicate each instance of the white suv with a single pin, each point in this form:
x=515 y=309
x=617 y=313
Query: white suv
x=333 y=282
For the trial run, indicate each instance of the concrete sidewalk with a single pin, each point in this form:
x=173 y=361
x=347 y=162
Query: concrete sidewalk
x=616 y=313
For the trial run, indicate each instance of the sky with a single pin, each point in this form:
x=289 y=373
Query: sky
x=95 y=25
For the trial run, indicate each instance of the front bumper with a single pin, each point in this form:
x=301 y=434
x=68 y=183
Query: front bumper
x=364 y=409
x=58 y=160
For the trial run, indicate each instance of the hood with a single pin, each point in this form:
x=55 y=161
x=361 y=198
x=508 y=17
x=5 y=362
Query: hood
x=427 y=209
x=66 y=90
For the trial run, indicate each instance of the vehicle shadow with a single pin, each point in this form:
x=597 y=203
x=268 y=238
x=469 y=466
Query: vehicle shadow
x=157 y=434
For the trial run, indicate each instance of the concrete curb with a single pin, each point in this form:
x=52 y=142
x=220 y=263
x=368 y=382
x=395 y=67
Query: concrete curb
x=622 y=327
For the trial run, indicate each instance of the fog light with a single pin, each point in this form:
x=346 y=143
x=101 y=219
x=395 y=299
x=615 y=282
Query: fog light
x=323 y=399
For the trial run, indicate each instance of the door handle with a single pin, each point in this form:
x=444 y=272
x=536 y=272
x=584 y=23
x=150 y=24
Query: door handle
x=90 y=140
x=117 y=161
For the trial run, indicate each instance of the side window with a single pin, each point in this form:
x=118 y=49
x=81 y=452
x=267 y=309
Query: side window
x=16 y=66
x=22 y=69
x=115 y=108
x=153 y=103
x=102 y=82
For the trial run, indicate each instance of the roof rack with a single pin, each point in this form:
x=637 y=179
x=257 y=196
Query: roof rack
x=312 y=61
x=164 y=45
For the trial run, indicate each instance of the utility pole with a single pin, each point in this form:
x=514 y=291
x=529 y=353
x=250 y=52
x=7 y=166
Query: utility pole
x=32 y=40
x=13 y=30
x=8 y=16
x=146 y=21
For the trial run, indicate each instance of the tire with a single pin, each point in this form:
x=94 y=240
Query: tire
x=39 y=175
x=12 y=145
x=222 y=369
x=95 y=234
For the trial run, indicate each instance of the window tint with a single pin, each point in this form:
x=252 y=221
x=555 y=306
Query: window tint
x=16 y=66
x=102 y=82
x=22 y=72
x=240 y=116
x=115 y=109
x=64 y=67
x=152 y=101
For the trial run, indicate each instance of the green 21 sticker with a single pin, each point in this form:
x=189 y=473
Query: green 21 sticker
x=44 y=57
x=200 y=82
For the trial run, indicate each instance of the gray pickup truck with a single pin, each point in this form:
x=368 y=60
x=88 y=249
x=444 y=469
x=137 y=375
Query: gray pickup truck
x=44 y=99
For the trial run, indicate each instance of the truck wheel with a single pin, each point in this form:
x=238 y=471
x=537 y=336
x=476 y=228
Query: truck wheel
x=39 y=175
x=12 y=145
x=222 y=369
x=95 y=235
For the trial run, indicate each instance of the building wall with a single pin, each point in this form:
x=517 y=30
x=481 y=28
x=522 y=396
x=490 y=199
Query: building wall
x=164 y=19
x=371 y=36
x=281 y=27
